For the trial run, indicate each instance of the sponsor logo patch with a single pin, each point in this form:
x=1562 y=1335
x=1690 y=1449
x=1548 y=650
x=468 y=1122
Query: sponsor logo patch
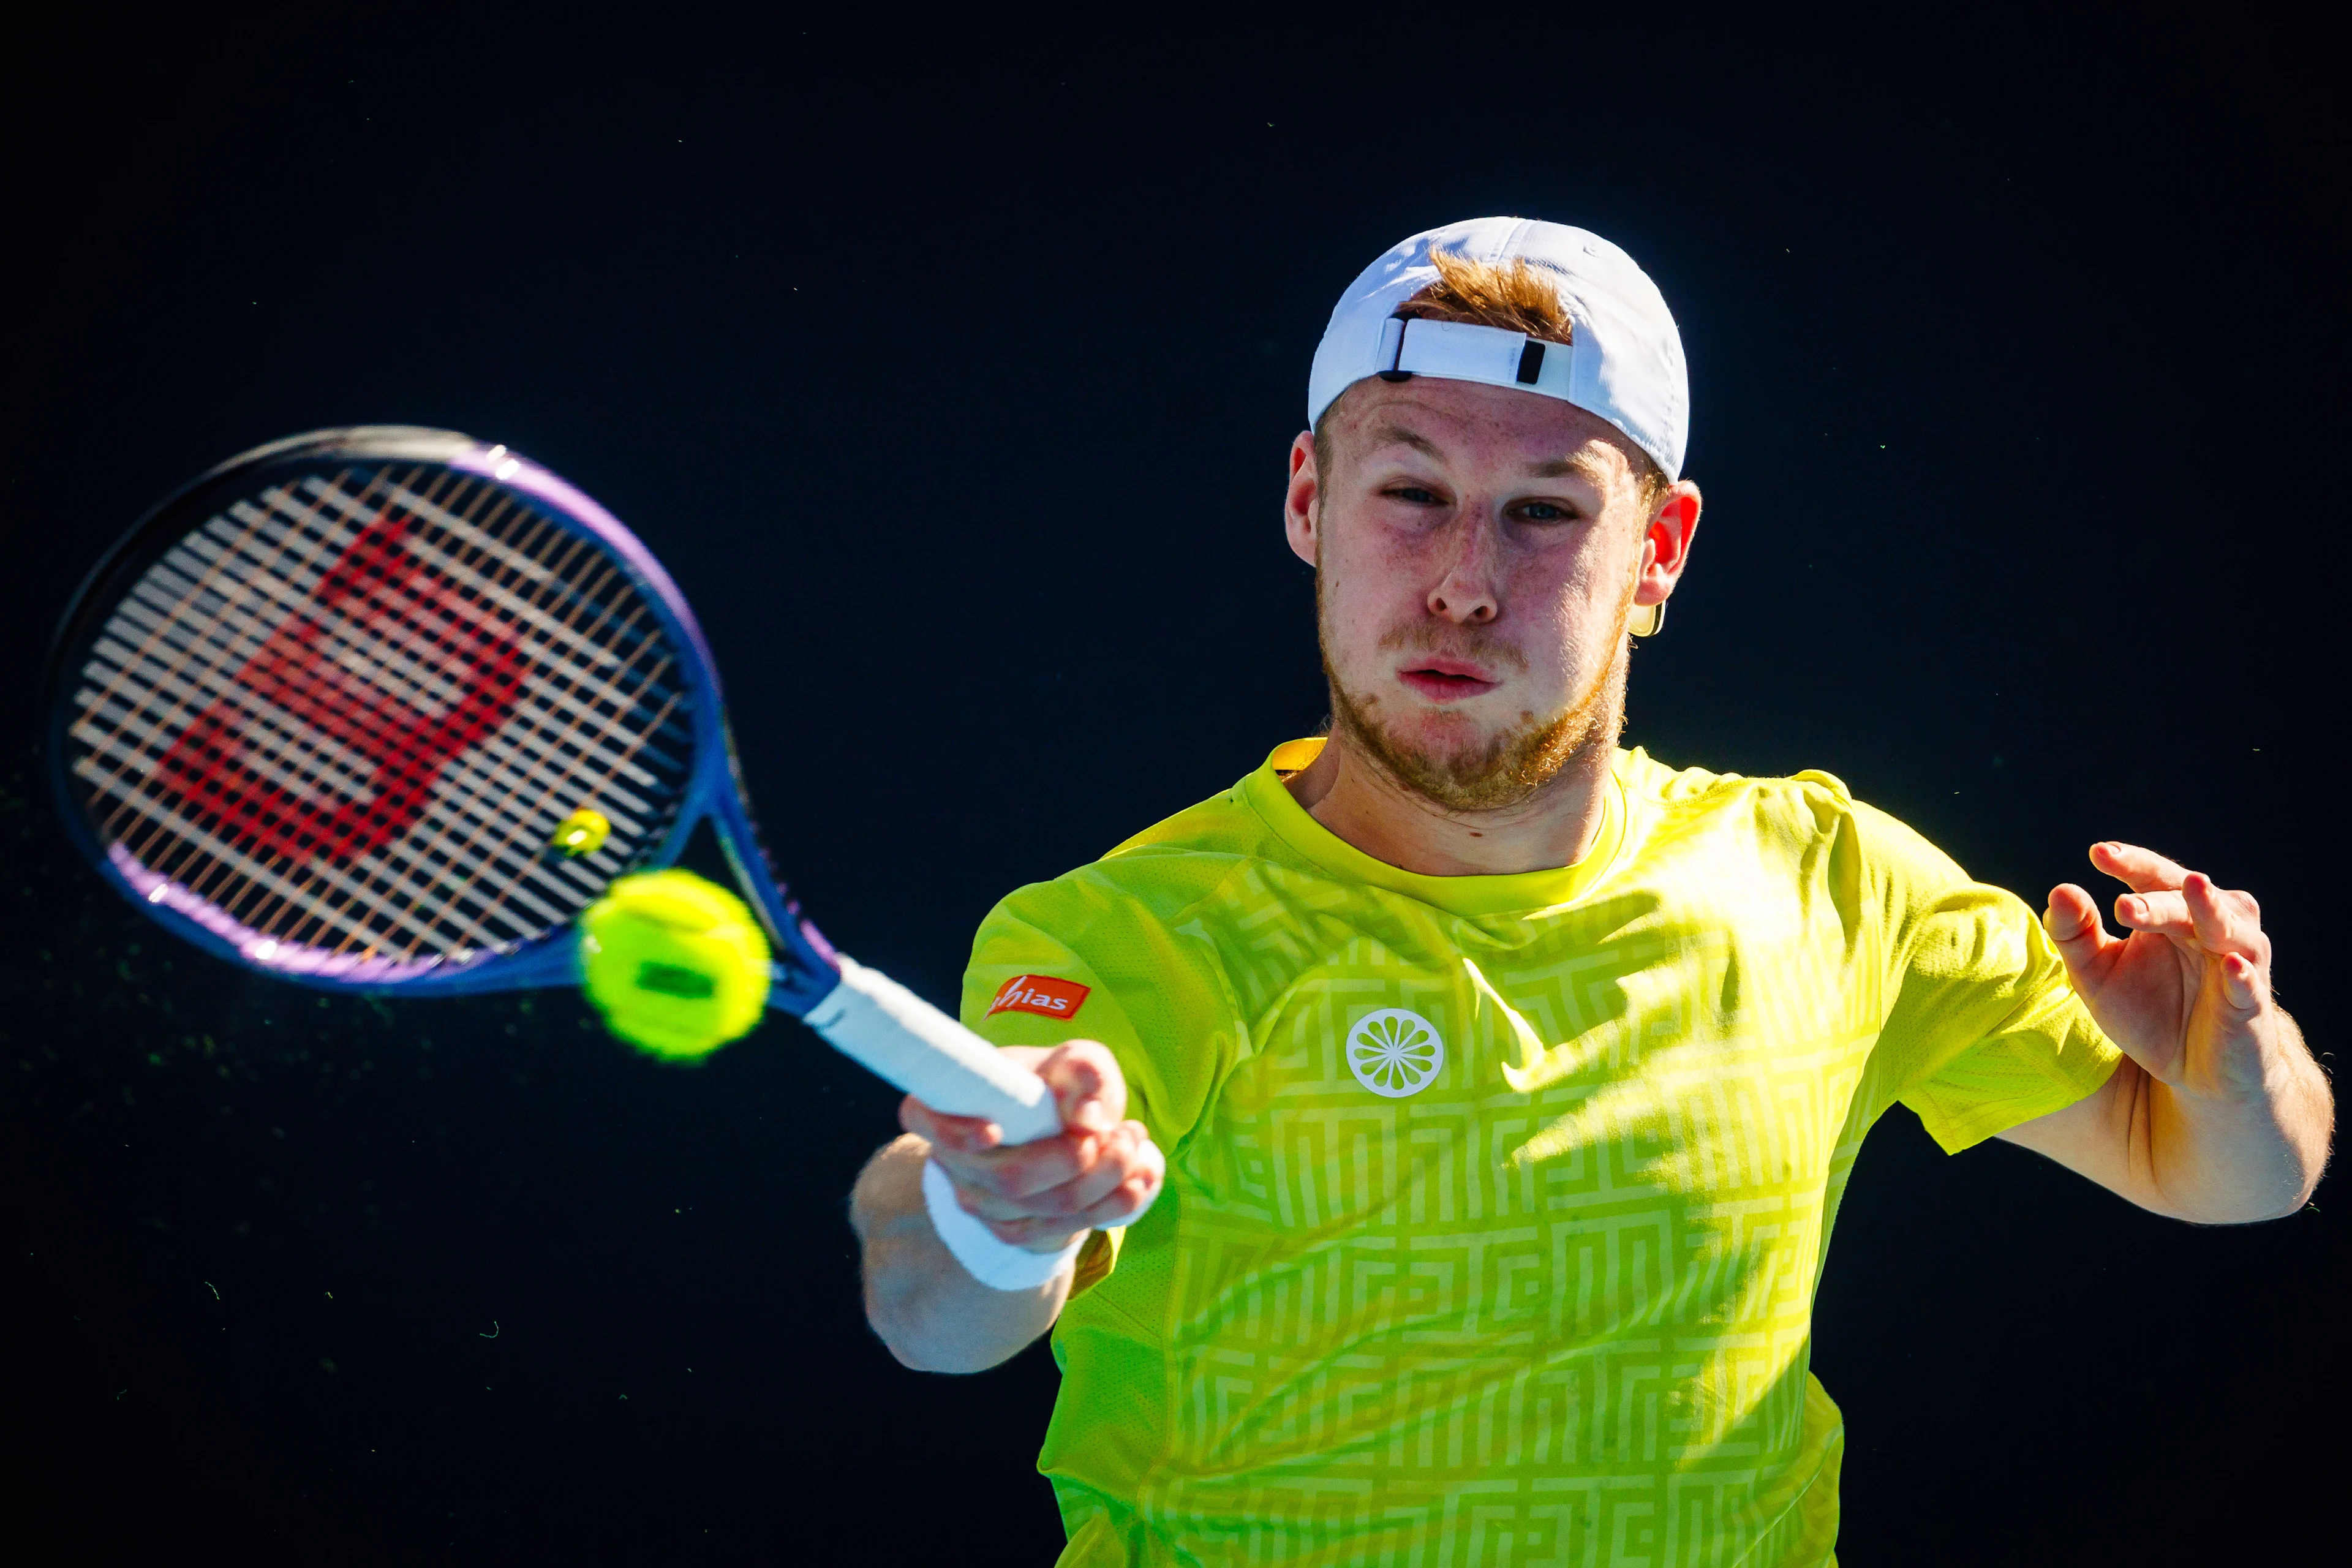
x=1041 y=995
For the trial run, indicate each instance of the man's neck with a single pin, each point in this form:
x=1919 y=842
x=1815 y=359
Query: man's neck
x=1349 y=794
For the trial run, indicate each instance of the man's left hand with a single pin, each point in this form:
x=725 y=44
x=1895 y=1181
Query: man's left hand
x=2218 y=1114
x=2187 y=994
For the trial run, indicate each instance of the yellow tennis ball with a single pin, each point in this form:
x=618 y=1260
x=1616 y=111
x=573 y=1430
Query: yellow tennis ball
x=677 y=964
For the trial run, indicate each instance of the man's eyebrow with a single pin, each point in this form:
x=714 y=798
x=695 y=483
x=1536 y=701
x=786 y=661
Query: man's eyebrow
x=1575 y=464
x=1397 y=434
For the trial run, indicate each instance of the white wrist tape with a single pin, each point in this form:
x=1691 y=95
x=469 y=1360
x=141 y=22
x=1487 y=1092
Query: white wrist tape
x=999 y=1265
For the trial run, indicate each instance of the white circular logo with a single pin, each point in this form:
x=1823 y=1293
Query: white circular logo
x=1394 y=1053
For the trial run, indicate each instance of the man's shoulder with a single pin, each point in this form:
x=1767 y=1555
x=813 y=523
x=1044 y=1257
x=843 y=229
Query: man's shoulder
x=1811 y=794
x=1223 y=824
x=1157 y=874
x=1802 y=812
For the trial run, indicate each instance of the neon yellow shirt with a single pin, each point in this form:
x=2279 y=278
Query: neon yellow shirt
x=1496 y=1206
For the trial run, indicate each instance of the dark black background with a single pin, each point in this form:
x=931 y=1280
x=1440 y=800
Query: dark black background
x=950 y=364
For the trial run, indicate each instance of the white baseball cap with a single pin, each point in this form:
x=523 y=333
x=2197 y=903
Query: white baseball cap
x=1624 y=365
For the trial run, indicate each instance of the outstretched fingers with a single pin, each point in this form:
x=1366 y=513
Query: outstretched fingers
x=2073 y=921
x=2229 y=925
x=2141 y=870
x=2199 y=915
x=2227 y=921
x=2246 y=984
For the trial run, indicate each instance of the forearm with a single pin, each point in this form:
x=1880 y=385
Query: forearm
x=2230 y=1158
x=933 y=1315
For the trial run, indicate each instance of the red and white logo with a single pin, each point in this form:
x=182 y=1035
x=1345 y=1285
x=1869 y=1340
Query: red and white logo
x=380 y=627
x=1041 y=995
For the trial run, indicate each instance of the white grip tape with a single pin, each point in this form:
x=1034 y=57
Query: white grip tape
x=999 y=1265
x=903 y=1039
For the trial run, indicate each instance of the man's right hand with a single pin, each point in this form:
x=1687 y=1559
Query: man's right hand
x=1100 y=1170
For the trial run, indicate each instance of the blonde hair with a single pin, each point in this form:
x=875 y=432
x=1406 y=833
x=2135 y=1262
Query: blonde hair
x=1518 y=297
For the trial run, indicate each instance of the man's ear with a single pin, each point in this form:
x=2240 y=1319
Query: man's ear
x=1302 y=498
x=1667 y=543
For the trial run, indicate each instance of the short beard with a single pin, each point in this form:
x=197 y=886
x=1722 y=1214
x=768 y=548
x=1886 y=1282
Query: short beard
x=1515 y=765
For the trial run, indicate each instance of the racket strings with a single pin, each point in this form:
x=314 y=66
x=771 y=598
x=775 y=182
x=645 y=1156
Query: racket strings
x=186 y=612
x=586 y=745
x=448 y=849
x=198 y=684
x=475 y=852
x=382 y=778
x=340 y=668
x=405 y=665
x=223 y=734
x=289 y=571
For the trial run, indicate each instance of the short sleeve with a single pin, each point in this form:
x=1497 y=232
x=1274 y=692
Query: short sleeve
x=1017 y=976
x=1984 y=1029
x=1150 y=990
x=1084 y=959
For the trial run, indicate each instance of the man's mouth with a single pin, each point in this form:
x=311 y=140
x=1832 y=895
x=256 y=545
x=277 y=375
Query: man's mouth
x=1447 y=679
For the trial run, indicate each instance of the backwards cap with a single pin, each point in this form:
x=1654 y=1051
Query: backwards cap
x=1625 y=364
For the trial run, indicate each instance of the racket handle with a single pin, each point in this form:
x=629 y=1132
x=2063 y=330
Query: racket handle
x=904 y=1041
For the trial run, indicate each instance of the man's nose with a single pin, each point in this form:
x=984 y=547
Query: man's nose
x=1467 y=592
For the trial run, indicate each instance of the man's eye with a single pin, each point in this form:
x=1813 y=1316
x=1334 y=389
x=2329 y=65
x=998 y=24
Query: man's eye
x=1414 y=494
x=1544 y=511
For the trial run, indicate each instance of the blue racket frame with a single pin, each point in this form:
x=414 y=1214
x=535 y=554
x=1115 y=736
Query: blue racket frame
x=806 y=970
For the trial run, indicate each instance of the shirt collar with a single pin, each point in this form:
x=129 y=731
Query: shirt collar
x=1520 y=890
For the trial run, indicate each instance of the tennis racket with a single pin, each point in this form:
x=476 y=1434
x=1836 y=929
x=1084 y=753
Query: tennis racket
x=339 y=710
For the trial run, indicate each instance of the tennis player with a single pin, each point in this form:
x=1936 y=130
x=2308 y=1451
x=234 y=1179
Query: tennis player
x=1458 y=1105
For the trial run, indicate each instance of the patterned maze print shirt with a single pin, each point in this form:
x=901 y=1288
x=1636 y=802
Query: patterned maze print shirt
x=1496 y=1206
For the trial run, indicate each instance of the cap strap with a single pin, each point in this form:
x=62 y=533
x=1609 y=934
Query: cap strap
x=1457 y=351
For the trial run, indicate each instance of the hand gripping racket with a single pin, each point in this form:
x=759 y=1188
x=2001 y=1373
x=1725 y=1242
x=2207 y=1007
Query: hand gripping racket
x=327 y=711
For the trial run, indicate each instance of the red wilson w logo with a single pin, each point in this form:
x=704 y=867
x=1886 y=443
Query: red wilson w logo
x=380 y=618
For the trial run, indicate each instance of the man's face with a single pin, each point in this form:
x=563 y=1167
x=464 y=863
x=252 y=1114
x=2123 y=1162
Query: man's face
x=1476 y=553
